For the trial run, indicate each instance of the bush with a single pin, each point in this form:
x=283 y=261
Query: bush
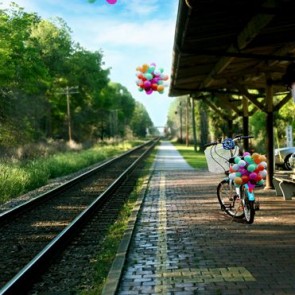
x=19 y=177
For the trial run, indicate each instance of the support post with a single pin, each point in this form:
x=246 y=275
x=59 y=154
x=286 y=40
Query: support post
x=194 y=124
x=180 y=118
x=245 y=123
x=187 y=122
x=269 y=136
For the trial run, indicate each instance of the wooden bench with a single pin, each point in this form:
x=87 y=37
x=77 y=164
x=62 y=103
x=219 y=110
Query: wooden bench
x=285 y=186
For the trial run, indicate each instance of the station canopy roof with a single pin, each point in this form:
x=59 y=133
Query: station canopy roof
x=225 y=45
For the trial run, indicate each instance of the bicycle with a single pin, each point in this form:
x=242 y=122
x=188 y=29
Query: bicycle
x=243 y=172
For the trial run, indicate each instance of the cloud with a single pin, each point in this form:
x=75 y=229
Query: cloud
x=130 y=33
x=137 y=7
x=149 y=34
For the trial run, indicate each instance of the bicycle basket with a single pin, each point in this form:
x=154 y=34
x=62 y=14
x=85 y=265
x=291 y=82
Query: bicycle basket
x=217 y=158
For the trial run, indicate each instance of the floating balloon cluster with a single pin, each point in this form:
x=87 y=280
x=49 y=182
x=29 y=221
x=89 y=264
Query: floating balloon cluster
x=250 y=169
x=150 y=79
x=109 y=1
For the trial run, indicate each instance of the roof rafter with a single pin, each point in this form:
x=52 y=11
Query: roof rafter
x=245 y=37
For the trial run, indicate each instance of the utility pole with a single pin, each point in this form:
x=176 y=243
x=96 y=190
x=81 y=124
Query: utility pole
x=67 y=91
x=179 y=110
x=194 y=124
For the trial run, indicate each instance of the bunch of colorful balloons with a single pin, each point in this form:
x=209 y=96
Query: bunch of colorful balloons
x=109 y=1
x=150 y=79
x=250 y=169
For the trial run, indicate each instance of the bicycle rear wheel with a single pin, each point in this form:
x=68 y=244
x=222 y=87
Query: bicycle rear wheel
x=229 y=200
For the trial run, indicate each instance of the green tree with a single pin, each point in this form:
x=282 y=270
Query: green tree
x=140 y=120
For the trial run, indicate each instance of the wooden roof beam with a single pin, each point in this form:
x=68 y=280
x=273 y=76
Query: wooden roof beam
x=253 y=98
x=282 y=102
x=251 y=30
x=220 y=53
x=228 y=104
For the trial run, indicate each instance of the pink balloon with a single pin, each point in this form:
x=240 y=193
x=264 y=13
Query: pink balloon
x=112 y=1
x=149 y=91
x=253 y=176
x=147 y=84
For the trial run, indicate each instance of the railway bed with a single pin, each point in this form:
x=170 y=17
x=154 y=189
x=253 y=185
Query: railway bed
x=26 y=233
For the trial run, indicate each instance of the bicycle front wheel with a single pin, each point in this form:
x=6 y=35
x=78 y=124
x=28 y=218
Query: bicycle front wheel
x=249 y=208
x=229 y=200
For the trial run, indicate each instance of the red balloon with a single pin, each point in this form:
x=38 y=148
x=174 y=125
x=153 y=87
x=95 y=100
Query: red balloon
x=155 y=86
x=245 y=178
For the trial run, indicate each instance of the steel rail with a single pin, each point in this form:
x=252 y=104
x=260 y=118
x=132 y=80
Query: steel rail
x=26 y=277
x=12 y=213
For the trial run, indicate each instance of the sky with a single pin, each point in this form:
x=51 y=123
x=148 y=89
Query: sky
x=129 y=33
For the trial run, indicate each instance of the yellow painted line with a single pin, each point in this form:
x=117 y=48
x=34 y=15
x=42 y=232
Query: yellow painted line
x=165 y=277
x=211 y=275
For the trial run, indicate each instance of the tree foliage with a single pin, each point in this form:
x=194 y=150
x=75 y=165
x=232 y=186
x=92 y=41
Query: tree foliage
x=211 y=125
x=39 y=63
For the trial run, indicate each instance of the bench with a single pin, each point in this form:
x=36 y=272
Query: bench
x=285 y=186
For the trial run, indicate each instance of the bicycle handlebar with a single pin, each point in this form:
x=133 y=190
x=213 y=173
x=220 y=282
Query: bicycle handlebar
x=210 y=143
x=239 y=137
x=236 y=138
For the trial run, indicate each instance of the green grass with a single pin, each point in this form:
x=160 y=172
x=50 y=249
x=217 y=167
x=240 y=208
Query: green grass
x=19 y=177
x=195 y=159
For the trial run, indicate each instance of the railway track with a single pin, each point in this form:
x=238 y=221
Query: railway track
x=74 y=216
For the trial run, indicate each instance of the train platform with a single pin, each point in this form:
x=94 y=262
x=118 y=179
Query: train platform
x=180 y=242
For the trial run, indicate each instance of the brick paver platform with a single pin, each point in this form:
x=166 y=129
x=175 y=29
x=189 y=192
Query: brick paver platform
x=184 y=244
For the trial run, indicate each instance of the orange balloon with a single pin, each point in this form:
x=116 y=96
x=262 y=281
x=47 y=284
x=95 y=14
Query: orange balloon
x=145 y=68
x=257 y=159
x=238 y=180
x=160 y=88
x=254 y=155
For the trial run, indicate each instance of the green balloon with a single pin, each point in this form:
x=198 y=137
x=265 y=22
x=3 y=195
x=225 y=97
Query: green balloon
x=237 y=160
x=251 y=167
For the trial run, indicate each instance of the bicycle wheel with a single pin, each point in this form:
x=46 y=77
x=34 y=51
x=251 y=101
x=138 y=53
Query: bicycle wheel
x=229 y=200
x=249 y=208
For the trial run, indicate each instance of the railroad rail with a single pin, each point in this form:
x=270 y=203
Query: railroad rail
x=33 y=233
